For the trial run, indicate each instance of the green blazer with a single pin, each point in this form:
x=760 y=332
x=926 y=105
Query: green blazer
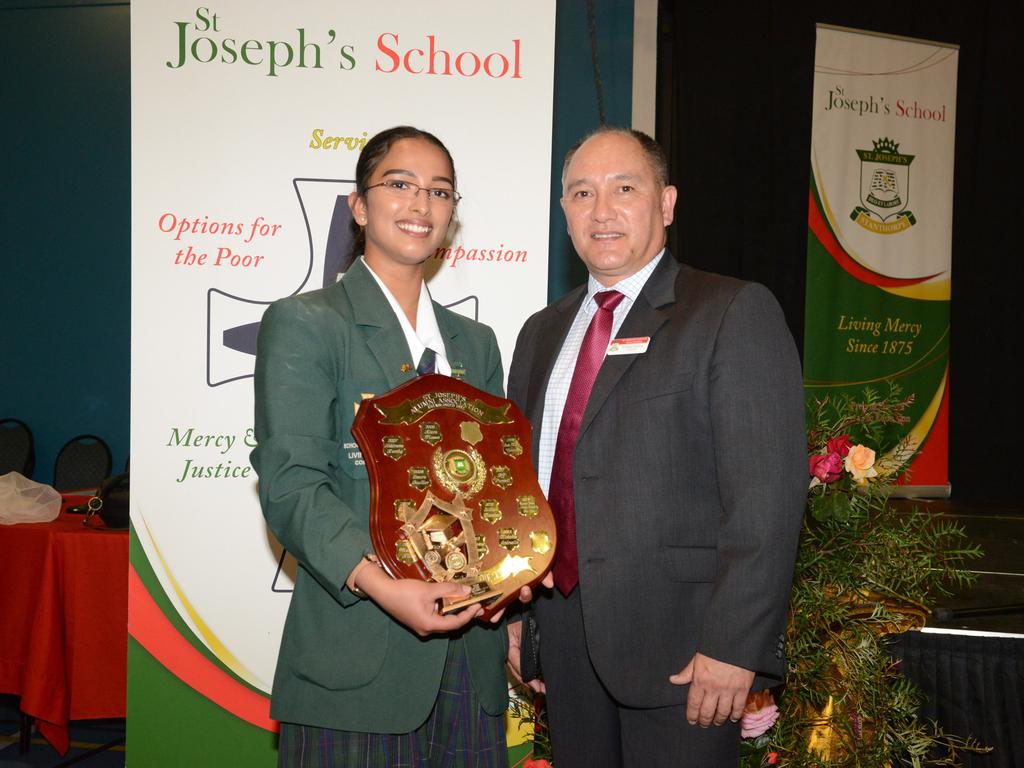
x=344 y=663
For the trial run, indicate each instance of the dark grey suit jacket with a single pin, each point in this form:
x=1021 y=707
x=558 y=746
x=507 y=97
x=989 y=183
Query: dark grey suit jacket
x=690 y=479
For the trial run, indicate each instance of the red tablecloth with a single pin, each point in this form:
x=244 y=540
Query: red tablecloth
x=63 y=621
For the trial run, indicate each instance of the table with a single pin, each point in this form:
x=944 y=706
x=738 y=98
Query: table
x=63 y=621
x=972 y=684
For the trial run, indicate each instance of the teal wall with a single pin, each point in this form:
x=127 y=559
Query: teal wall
x=65 y=267
x=575 y=108
x=65 y=270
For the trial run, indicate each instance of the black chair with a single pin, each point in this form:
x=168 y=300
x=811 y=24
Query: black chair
x=83 y=462
x=17 y=448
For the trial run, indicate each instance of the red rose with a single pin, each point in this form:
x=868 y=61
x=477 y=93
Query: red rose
x=540 y=763
x=840 y=444
x=827 y=467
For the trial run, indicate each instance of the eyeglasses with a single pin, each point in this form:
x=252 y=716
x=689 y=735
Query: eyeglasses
x=408 y=191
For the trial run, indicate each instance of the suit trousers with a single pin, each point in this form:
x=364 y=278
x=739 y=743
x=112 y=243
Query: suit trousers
x=590 y=729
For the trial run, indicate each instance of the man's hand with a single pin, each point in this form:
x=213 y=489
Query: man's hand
x=526 y=596
x=515 y=635
x=718 y=691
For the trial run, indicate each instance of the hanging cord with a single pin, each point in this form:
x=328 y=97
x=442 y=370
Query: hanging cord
x=598 y=87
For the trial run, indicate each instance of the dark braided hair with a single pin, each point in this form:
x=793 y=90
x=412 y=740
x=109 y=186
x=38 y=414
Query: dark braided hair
x=369 y=158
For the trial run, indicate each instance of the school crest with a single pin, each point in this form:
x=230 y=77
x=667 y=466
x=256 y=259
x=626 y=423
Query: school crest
x=884 y=189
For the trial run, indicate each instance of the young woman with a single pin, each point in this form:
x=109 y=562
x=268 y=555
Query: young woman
x=369 y=673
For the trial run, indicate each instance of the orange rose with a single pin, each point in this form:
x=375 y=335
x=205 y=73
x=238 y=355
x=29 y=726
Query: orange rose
x=860 y=462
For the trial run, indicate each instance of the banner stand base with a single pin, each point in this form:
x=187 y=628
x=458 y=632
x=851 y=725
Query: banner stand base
x=922 y=491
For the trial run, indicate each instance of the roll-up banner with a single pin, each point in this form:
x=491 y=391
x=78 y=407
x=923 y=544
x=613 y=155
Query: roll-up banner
x=880 y=231
x=247 y=120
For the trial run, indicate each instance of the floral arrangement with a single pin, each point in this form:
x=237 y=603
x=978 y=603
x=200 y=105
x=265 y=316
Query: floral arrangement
x=528 y=708
x=865 y=570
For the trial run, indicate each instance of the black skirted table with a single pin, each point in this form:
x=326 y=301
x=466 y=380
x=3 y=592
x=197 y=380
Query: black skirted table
x=973 y=685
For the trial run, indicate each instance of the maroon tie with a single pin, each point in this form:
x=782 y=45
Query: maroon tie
x=560 y=490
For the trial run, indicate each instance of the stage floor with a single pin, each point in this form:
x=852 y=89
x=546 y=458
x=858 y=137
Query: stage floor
x=995 y=602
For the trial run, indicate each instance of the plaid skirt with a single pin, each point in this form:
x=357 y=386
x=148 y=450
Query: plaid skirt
x=457 y=734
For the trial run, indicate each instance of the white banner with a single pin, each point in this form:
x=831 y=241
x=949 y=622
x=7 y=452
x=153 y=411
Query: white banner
x=880 y=221
x=247 y=120
x=882 y=149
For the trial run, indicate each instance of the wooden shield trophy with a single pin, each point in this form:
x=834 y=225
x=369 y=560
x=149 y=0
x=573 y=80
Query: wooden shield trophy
x=454 y=497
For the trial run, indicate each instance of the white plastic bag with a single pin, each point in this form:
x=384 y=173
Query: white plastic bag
x=26 y=501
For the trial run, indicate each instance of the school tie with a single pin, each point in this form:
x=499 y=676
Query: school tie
x=427 y=363
x=560 y=490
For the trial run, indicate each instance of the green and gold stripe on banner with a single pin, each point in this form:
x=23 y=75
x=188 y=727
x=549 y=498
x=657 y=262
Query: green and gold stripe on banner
x=180 y=690
x=180 y=687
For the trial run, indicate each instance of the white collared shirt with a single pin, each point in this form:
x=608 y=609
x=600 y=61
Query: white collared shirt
x=565 y=364
x=426 y=333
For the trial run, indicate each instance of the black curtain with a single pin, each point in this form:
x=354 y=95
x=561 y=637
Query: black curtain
x=734 y=113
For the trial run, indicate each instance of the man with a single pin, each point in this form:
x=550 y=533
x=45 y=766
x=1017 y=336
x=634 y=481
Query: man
x=668 y=417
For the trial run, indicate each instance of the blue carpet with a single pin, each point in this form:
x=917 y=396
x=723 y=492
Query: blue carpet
x=88 y=737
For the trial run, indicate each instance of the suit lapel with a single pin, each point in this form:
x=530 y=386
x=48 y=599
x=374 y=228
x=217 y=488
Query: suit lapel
x=372 y=311
x=645 y=317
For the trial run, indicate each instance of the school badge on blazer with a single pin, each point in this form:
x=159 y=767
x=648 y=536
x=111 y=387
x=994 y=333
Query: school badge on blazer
x=453 y=494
